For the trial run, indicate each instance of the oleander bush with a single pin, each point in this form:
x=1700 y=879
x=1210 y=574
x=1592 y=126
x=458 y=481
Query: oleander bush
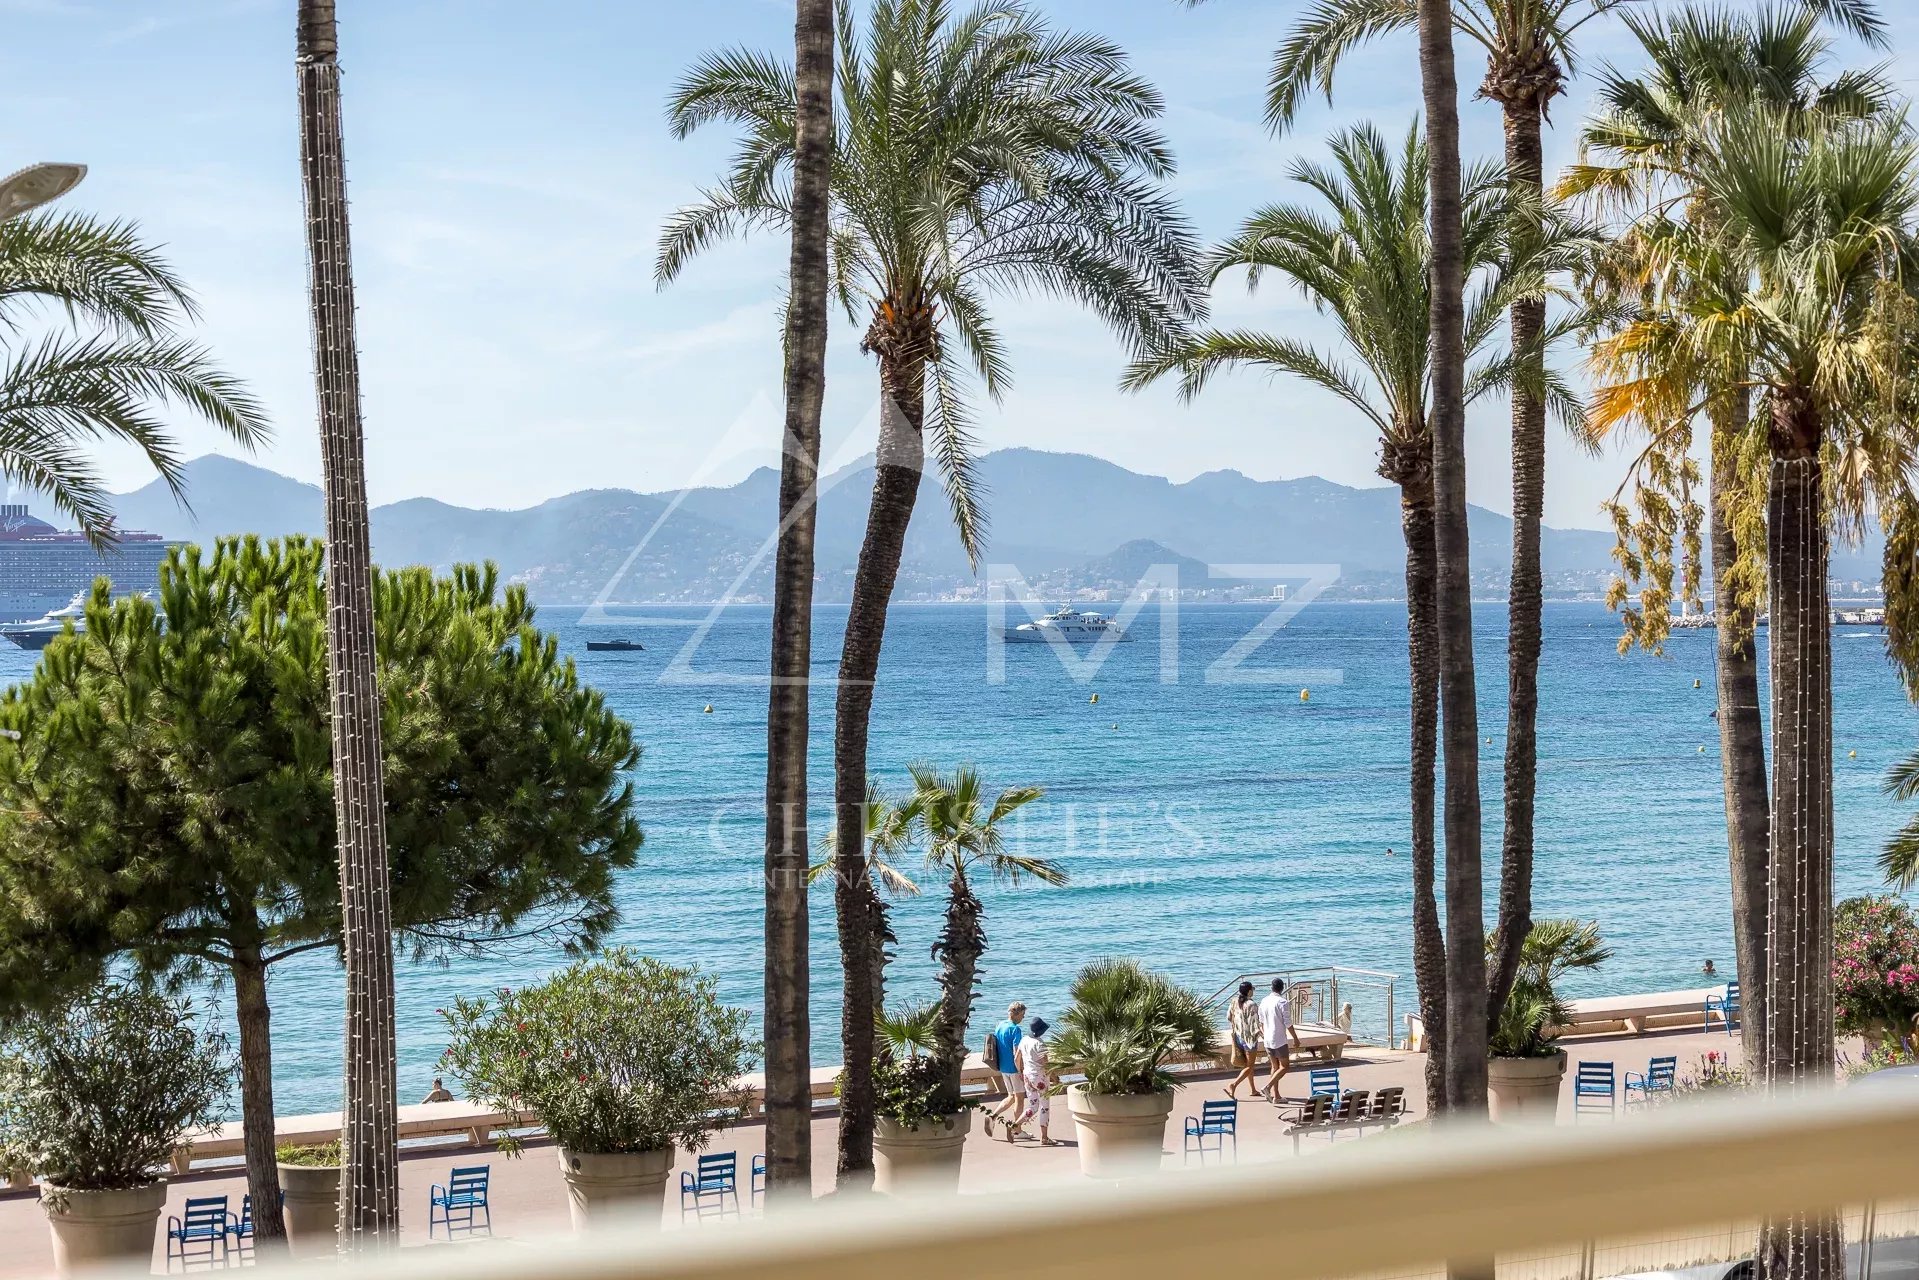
x=1875 y=969
x=612 y=1055
x=94 y=1096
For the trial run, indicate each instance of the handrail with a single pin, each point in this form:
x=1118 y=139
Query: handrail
x=1461 y=1194
x=1366 y=979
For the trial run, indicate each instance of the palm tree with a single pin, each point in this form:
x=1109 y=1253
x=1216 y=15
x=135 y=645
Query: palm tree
x=866 y=934
x=1466 y=1029
x=369 y=1180
x=1529 y=54
x=1368 y=265
x=788 y=1026
x=1639 y=156
x=975 y=154
x=105 y=377
x=964 y=836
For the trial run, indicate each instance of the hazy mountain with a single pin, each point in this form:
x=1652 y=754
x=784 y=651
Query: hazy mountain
x=1049 y=514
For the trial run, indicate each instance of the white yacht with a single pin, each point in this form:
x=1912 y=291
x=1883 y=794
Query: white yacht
x=39 y=633
x=1068 y=625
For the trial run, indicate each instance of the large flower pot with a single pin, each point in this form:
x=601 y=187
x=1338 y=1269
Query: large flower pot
x=920 y=1161
x=1120 y=1134
x=626 y=1190
x=103 y=1228
x=1525 y=1090
x=310 y=1201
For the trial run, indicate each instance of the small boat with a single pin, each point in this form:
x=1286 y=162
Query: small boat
x=39 y=633
x=1067 y=625
x=615 y=646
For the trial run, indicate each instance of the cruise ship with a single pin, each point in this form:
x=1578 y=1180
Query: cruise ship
x=42 y=568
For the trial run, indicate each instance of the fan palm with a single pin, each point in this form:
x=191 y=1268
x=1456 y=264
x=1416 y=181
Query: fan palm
x=1365 y=260
x=1122 y=1024
x=976 y=153
x=1639 y=157
x=105 y=378
x=886 y=833
x=370 y=1175
x=963 y=831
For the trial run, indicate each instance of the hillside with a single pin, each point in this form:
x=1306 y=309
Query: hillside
x=1050 y=515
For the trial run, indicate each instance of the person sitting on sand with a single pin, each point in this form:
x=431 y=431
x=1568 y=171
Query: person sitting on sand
x=440 y=1092
x=1039 y=1083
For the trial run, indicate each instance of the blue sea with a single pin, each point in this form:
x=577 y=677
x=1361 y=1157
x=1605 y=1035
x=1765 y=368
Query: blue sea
x=1213 y=821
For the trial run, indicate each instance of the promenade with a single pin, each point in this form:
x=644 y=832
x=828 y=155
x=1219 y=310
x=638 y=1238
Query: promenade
x=529 y=1199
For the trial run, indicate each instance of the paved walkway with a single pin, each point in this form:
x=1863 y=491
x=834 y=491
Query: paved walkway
x=529 y=1198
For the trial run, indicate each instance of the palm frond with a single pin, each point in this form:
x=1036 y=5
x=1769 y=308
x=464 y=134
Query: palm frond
x=97 y=272
x=1311 y=55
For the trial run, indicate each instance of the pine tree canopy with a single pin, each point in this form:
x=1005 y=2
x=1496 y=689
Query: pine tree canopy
x=170 y=801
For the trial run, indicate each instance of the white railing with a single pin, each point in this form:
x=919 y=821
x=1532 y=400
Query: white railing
x=1328 y=988
x=1405 y=1204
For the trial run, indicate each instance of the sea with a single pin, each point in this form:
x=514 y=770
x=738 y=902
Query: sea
x=1227 y=792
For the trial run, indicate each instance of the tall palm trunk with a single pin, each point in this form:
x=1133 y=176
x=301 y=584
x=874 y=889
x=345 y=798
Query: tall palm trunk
x=1411 y=467
x=1798 y=1036
x=255 y=1025
x=1466 y=1031
x=370 y=1178
x=961 y=943
x=788 y=1028
x=1742 y=742
x=898 y=465
x=1521 y=94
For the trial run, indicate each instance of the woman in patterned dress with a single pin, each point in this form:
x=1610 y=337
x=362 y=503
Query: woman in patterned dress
x=1038 y=1075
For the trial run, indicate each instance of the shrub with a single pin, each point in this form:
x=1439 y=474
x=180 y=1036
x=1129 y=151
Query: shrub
x=1713 y=1075
x=318 y=1155
x=1124 y=1022
x=613 y=1055
x=98 y=1094
x=910 y=1083
x=1533 y=1010
x=1875 y=968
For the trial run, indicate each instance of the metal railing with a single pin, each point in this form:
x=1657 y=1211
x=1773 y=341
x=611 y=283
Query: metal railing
x=1321 y=992
x=1409 y=1204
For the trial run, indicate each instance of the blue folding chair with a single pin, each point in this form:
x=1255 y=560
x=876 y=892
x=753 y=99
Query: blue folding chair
x=1593 y=1089
x=456 y=1203
x=1218 y=1120
x=705 y=1193
x=240 y=1229
x=1661 y=1076
x=1726 y=1005
x=1324 y=1080
x=757 y=1179
x=200 y=1234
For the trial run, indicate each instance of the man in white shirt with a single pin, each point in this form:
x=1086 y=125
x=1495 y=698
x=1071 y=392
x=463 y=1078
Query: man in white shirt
x=1276 y=1026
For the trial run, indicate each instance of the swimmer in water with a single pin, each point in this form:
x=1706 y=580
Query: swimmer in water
x=1708 y=970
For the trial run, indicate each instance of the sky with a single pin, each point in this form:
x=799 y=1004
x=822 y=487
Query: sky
x=510 y=169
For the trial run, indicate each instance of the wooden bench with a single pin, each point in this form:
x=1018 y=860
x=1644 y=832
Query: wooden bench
x=1636 y=1015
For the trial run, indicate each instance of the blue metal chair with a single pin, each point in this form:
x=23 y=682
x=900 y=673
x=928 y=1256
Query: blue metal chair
x=1661 y=1076
x=194 y=1235
x=706 y=1191
x=1324 y=1080
x=1593 y=1089
x=1218 y=1120
x=240 y=1229
x=1726 y=1004
x=757 y=1179
x=455 y=1203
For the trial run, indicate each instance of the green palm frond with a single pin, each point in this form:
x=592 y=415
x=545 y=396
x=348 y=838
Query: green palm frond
x=66 y=390
x=910 y=1030
x=98 y=272
x=978 y=154
x=887 y=829
x=1311 y=55
x=962 y=829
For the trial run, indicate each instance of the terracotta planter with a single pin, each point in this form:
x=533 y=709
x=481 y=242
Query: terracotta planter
x=1120 y=1134
x=1525 y=1090
x=310 y=1200
x=103 y=1228
x=626 y=1190
x=922 y=1161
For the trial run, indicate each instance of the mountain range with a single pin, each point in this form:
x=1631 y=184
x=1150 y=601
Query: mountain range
x=1063 y=522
